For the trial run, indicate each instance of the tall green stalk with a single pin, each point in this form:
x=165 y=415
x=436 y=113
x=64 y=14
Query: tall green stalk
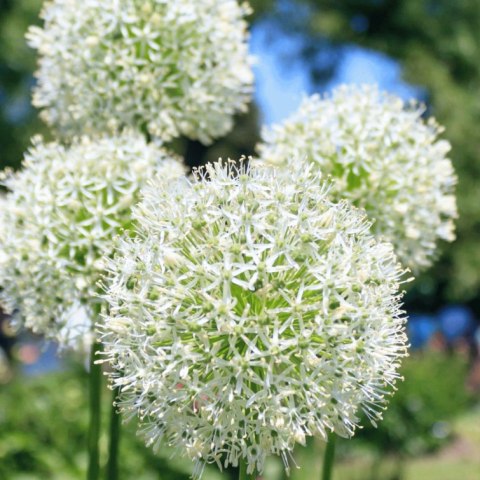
x=113 y=447
x=243 y=475
x=95 y=377
x=329 y=458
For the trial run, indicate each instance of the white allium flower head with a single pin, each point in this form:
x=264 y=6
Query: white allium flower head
x=249 y=314
x=62 y=215
x=168 y=67
x=383 y=157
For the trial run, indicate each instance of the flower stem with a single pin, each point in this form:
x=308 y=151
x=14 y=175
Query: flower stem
x=112 y=466
x=328 y=458
x=95 y=403
x=243 y=475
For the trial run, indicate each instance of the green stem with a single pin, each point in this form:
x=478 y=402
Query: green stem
x=329 y=457
x=94 y=427
x=112 y=466
x=243 y=475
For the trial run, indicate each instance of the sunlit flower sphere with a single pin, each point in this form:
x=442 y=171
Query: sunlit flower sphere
x=383 y=157
x=62 y=215
x=248 y=313
x=170 y=68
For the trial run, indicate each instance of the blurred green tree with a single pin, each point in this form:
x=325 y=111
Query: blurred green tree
x=18 y=119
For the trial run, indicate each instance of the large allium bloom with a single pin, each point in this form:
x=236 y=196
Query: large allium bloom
x=249 y=314
x=170 y=67
x=383 y=157
x=62 y=215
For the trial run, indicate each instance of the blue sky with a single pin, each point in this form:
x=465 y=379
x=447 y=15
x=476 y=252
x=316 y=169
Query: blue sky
x=282 y=83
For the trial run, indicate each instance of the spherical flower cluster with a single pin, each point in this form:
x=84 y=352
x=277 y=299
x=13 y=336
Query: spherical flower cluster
x=61 y=216
x=168 y=67
x=383 y=158
x=249 y=314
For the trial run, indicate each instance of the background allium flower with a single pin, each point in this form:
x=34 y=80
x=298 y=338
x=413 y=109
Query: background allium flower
x=250 y=314
x=172 y=68
x=62 y=215
x=383 y=157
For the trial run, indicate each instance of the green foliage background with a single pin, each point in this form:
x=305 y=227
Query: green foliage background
x=43 y=428
x=418 y=414
x=18 y=120
x=44 y=420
